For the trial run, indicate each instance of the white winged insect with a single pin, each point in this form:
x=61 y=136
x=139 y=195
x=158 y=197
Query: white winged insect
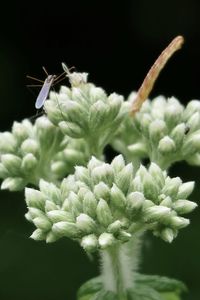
x=47 y=84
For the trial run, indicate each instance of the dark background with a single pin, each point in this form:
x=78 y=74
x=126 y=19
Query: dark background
x=116 y=42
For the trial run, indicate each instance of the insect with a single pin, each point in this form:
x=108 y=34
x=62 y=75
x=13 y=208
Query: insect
x=47 y=84
x=154 y=71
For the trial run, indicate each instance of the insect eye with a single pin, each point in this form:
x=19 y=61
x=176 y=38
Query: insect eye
x=187 y=129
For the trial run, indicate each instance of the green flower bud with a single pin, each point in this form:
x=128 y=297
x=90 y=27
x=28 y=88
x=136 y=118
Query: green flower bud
x=101 y=190
x=185 y=189
x=85 y=223
x=29 y=162
x=35 y=212
x=59 y=168
x=34 y=198
x=156 y=213
x=103 y=212
x=89 y=243
x=97 y=114
x=75 y=204
x=38 y=235
x=184 y=206
x=12 y=163
x=82 y=173
x=106 y=240
x=66 y=229
x=13 y=184
x=54 y=113
x=117 y=197
x=135 y=202
x=166 y=145
x=42 y=223
x=167 y=201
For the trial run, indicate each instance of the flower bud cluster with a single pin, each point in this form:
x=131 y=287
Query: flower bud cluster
x=84 y=110
x=33 y=151
x=102 y=204
x=163 y=130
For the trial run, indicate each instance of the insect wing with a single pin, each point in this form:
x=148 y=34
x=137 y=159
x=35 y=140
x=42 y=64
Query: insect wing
x=43 y=94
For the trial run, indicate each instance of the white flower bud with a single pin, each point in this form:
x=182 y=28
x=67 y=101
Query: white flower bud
x=194 y=122
x=71 y=129
x=38 y=235
x=118 y=163
x=167 y=235
x=97 y=115
x=192 y=107
x=20 y=131
x=138 y=149
x=157 y=130
x=124 y=178
x=89 y=243
x=76 y=79
x=156 y=213
x=114 y=101
x=35 y=212
x=66 y=229
x=124 y=236
x=8 y=142
x=173 y=112
x=114 y=227
x=59 y=215
x=178 y=222
x=103 y=212
x=172 y=186
x=117 y=197
x=135 y=202
x=101 y=190
x=89 y=204
x=12 y=163
x=102 y=173
x=167 y=201
x=75 y=205
x=185 y=189
x=85 y=223
x=184 y=206
x=82 y=174
x=96 y=93
x=156 y=172
x=53 y=111
x=49 y=206
x=51 y=237
x=106 y=240
x=42 y=223
x=137 y=184
x=178 y=134
x=166 y=145
x=13 y=184
x=68 y=184
x=34 y=198
x=3 y=171
x=50 y=191
x=29 y=162
x=30 y=146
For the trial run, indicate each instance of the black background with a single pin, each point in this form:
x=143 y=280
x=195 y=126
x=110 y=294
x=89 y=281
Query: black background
x=116 y=42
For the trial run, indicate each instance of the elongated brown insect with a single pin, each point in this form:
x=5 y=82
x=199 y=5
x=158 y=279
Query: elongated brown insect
x=153 y=73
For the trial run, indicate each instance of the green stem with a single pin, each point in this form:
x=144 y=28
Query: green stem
x=119 y=264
